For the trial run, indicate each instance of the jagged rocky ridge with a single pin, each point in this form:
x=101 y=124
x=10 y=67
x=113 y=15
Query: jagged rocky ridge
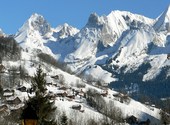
x=120 y=43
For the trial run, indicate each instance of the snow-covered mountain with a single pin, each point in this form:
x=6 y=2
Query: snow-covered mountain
x=121 y=42
x=30 y=35
x=36 y=31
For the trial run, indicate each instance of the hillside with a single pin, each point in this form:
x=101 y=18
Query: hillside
x=69 y=91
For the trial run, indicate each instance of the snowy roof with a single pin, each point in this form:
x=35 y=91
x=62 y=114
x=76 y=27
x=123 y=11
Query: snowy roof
x=8 y=94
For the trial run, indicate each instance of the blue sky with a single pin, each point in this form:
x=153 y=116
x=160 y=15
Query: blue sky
x=13 y=13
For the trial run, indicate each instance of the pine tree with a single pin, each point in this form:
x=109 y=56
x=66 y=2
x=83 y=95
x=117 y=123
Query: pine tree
x=41 y=101
x=39 y=82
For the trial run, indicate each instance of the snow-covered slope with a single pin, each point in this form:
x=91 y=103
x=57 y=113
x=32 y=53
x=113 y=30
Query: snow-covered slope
x=133 y=48
x=64 y=104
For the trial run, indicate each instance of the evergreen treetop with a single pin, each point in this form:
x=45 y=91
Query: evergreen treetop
x=41 y=102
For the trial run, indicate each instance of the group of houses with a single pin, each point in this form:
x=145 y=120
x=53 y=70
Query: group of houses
x=71 y=93
x=64 y=93
x=9 y=97
x=9 y=101
x=121 y=97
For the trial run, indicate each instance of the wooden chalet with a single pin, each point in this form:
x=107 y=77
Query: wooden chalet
x=49 y=83
x=8 y=90
x=55 y=84
x=61 y=93
x=13 y=101
x=131 y=120
x=81 y=93
x=3 y=107
x=147 y=103
x=62 y=88
x=3 y=110
x=104 y=93
x=22 y=89
x=152 y=107
x=8 y=94
x=76 y=91
x=55 y=77
x=76 y=107
x=118 y=96
x=70 y=95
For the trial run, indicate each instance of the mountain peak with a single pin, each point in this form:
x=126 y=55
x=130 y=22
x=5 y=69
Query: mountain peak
x=94 y=20
x=37 y=23
x=163 y=21
x=65 y=30
x=36 y=18
x=35 y=15
x=65 y=25
x=166 y=14
x=31 y=34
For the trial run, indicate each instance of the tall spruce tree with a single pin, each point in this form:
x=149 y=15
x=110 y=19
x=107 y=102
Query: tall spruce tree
x=41 y=102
